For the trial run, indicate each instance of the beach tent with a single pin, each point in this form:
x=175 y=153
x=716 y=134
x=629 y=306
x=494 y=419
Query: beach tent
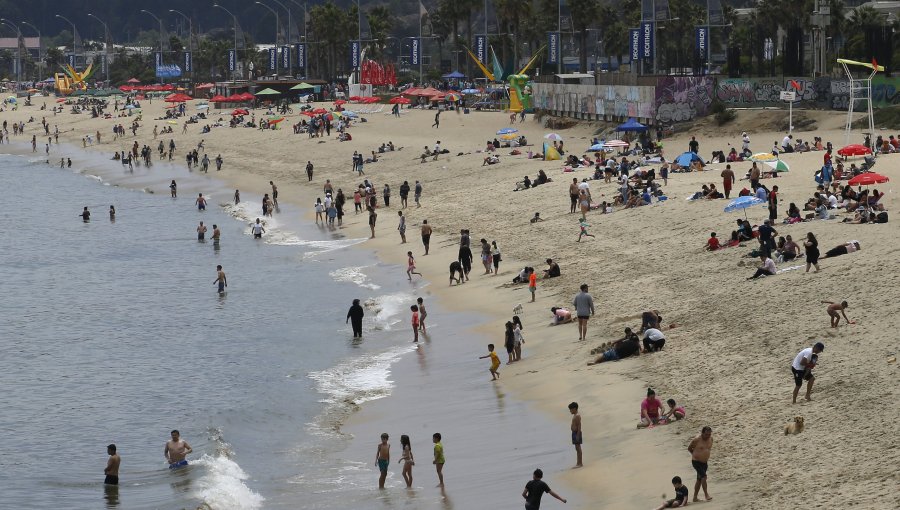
x=133 y=81
x=550 y=153
x=268 y=92
x=687 y=158
x=302 y=86
x=455 y=75
x=631 y=125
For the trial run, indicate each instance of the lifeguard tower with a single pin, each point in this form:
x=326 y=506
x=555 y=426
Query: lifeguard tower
x=860 y=90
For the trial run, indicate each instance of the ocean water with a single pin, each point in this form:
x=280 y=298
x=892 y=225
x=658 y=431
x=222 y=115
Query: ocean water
x=113 y=332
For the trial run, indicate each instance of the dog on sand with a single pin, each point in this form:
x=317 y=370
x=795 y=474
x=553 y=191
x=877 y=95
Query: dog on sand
x=794 y=427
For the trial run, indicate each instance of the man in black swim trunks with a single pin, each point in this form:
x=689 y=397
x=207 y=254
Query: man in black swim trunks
x=112 y=466
x=700 y=448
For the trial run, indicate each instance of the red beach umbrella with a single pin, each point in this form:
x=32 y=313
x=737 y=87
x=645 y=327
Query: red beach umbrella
x=868 y=179
x=218 y=98
x=246 y=96
x=239 y=111
x=320 y=111
x=854 y=149
x=399 y=100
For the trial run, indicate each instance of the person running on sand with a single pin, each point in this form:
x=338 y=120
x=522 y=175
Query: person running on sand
x=411 y=266
x=583 y=225
x=383 y=459
x=422 y=313
x=415 y=322
x=700 y=448
x=495 y=362
x=577 y=438
x=407 y=459
x=833 y=309
x=802 y=367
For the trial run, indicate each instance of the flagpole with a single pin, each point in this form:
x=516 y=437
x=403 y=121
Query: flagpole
x=421 y=78
x=559 y=55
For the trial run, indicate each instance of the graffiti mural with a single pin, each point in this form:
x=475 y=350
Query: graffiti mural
x=681 y=98
x=885 y=91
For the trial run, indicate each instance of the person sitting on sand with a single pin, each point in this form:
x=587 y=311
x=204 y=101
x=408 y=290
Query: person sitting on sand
x=489 y=160
x=675 y=412
x=789 y=250
x=843 y=249
x=833 y=309
x=766 y=269
x=560 y=315
x=651 y=408
x=793 y=214
x=630 y=345
x=552 y=270
x=745 y=231
x=712 y=244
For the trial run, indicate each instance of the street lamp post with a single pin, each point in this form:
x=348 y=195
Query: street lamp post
x=234 y=18
x=40 y=63
x=277 y=25
x=190 y=27
x=74 y=38
x=145 y=11
x=290 y=22
x=18 y=49
x=105 y=43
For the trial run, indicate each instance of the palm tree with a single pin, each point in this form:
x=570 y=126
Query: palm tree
x=584 y=12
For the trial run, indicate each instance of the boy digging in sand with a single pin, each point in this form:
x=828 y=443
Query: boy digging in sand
x=495 y=362
x=833 y=309
x=382 y=459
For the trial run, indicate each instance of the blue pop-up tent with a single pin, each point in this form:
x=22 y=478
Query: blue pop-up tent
x=631 y=125
x=455 y=75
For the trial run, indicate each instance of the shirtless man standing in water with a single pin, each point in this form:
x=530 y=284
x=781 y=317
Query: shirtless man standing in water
x=176 y=450
x=700 y=447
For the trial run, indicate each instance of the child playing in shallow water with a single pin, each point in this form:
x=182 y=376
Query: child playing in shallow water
x=383 y=458
x=415 y=322
x=407 y=460
x=495 y=362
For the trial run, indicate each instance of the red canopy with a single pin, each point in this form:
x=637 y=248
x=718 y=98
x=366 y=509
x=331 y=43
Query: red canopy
x=854 y=150
x=868 y=179
x=320 y=111
x=218 y=98
x=399 y=100
x=355 y=98
x=412 y=91
x=178 y=98
x=133 y=81
x=240 y=111
x=340 y=101
x=205 y=86
x=246 y=96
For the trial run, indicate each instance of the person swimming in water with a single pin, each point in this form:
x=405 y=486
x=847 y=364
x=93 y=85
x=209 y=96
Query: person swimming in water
x=177 y=449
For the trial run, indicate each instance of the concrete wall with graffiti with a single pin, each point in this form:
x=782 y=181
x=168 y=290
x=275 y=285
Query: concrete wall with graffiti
x=595 y=102
x=683 y=98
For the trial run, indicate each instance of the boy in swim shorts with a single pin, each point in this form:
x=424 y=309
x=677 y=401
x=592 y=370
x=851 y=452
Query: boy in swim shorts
x=383 y=459
x=576 y=432
x=495 y=362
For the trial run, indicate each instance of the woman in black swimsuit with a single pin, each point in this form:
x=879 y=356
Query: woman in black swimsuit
x=812 y=251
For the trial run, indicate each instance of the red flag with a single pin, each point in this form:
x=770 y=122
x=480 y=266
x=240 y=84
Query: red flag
x=874 y=63
x=795 y=85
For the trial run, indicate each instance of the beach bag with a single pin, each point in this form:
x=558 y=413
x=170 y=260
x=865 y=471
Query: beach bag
x=881 y=217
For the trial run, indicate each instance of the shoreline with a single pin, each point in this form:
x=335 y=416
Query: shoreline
x=724 y=327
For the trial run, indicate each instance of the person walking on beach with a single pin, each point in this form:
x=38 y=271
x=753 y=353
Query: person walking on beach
x=404 y=194
x=802 y=367
x=408 y=461
x=535 y=490
x=257 y=229
x=201 y=232
x=373 y=216
x=355 y=315
x=812 y=251
x=422 y=313
x=426 y=235
x=418 y=193
x=728 y=180
x=220 y=279
x=401 y=227
x=532 y=284
x=584 y=309
x=112 y=466
x=773 y=204
x=383 y=459
x=700 y=448
x=833 y=309
x=237 y=196
x=173 y=189
x=201 y=202
x=309 y=170
x=437 y=120
x=577 y=438
x=274 y=193
x=438 y=457
x=177 y=449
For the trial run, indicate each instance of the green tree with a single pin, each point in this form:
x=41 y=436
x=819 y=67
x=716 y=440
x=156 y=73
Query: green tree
x=584 y=12
x=381 y=22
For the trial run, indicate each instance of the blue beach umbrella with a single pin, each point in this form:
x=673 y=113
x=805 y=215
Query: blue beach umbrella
x=686 y=159
x=742 y=203
x=506 y=131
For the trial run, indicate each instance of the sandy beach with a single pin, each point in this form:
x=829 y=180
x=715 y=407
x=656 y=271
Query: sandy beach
x=730 y=341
